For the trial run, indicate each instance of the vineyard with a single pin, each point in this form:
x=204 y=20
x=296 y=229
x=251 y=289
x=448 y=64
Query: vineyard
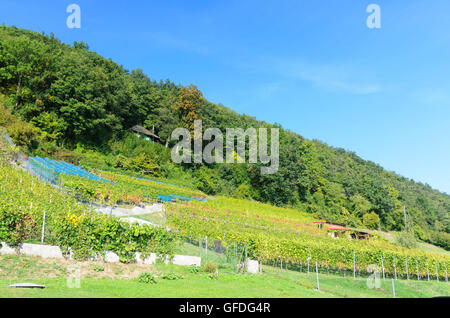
x=125 y=190
x=32 y=210
x=271 y=234
x=287 y=236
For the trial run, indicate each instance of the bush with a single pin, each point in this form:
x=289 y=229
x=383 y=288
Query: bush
x=194 y=269
x=441 y=239
x=243 y=191
x=16 y=227
x=371 y=220
x=89 y=234
x=210 y=267
x=98 y=268
x=146 y=278
x=172 y=276
x=213 y=276
x=406 y=239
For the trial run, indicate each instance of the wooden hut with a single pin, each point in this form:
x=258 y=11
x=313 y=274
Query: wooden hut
x=140 y=131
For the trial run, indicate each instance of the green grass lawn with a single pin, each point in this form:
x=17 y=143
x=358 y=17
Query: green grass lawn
x=120 y=280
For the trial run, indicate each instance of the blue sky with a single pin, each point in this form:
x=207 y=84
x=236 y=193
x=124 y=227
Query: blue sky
x=312 y=66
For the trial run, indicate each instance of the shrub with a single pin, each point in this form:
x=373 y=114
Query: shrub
x=243 y=191
x=371 y=220
x=16 y=227
x=213 y=276
x=146 y=278
x=210 y=267
x=406 y=239
x=87 y=235
x=98 y=268
x=172 y=276
x=194 y=269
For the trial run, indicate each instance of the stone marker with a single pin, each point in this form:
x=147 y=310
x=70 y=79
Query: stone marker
x=252 y=266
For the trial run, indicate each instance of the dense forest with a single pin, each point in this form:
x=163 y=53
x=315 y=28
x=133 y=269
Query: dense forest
x=67 y=102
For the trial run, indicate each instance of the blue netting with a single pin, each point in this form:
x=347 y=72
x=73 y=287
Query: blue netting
x=5 y=135
x=165 y=198
x=50 y=169
x=181 y=198
x=46 y=173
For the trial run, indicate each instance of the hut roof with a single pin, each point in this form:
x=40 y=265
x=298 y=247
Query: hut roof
x=142 y=130
x=337 y=227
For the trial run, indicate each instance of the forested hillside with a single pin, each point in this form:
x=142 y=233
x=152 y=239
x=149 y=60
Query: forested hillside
x=68 y=102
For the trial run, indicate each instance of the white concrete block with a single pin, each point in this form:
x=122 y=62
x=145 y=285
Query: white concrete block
x=186 y=260
x=149 y=260
x=156 y=207
x=6 y=249
x=252 y=266
x=45 y=251
x=111 y=257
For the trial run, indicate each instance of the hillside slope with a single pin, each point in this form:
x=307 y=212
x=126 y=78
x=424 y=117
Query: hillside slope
x=63 y=100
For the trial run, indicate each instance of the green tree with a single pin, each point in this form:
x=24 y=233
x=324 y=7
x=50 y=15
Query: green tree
x=189 y=103
x=371 y=221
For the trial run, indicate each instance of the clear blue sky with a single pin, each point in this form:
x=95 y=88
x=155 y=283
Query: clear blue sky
x=312 y=66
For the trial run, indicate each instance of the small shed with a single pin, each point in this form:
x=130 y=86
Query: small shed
x=360 y=235
x=140 y=131
x=335 y=229
x=319 y=224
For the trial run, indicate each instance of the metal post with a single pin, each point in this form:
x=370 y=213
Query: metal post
x=317 y=275
x=382 y=266
x=446 y=278
x=395 y=268
x=407 y=273
x=418 y=275
x=393 y=288
x=308 y=265
x=437 y=275
x=43 y=225
x=428 y=272
x=354 y=267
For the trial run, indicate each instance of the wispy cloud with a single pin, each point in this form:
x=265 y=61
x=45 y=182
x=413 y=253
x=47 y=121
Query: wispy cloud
x=177 y=43
x=331 y=77
x=342 y=78
x=268 y=89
